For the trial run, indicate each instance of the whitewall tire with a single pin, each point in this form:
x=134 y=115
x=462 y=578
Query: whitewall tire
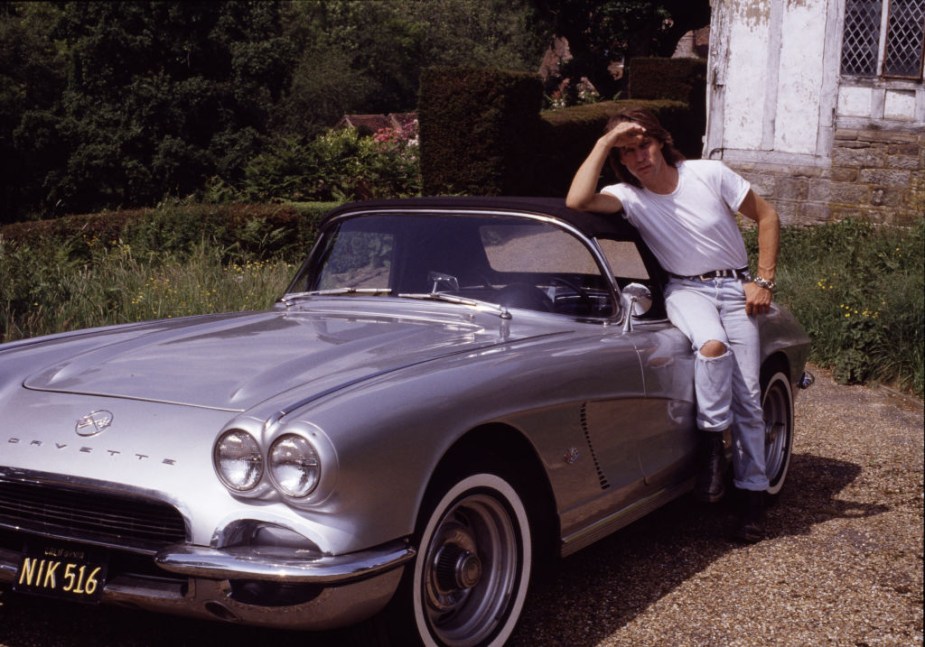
x=473 y=567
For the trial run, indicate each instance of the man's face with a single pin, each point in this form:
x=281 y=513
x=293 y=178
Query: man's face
x=643 y=158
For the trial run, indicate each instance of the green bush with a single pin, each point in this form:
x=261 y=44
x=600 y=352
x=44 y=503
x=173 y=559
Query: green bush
x=239 y=230
x=859 y=291
x=340 y=165
x=50 y=292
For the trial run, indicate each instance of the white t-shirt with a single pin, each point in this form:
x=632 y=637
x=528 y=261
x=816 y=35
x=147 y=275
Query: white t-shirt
x=692 y=230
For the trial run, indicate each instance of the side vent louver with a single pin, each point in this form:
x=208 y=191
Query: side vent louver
x=587 y=432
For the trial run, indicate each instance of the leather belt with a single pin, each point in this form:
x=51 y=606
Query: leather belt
x=717 y=274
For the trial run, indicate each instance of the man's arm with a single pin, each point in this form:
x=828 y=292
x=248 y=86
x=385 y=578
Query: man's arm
x=762 y=212
x=583 y=194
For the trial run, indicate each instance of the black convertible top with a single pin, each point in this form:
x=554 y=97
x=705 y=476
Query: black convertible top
x=591 y=224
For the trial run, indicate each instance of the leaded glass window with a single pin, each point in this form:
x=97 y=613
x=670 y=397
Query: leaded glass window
x=904 y=39
x=867 y=51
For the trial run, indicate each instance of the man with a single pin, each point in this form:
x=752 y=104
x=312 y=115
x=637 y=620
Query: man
x=685 y=211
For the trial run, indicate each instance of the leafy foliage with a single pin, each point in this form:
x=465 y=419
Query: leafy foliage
x=859 y=290
x=602 y=31
x=122 y=104
x=159 y=97
x=121 y=284
x=339 y=165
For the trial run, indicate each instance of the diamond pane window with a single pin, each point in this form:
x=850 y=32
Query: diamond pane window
x=867 y=52
x=861 y=37
x=905 y=39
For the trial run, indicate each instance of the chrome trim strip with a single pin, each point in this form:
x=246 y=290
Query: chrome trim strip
x=87 y=539
x=247 y=563
x=9 y=565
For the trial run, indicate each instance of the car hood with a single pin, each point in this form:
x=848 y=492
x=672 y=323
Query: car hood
x=236 y=362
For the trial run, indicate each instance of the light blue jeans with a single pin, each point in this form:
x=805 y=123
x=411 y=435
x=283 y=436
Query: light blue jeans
x=728 y=387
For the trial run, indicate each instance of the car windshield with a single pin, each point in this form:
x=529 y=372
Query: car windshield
x=515 y=262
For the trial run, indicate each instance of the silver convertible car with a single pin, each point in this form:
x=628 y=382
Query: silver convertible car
x=451 y=391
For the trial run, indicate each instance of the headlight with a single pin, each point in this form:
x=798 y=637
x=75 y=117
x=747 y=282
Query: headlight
x=294 y=466
x=238 y=460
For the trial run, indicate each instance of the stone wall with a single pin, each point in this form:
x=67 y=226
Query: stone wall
x=878 y=175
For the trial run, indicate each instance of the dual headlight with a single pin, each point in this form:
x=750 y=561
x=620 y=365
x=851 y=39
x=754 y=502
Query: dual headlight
x=292 y=463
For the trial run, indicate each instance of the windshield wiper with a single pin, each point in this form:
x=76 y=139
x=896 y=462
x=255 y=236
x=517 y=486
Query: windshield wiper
x=501 y=311
x=290 y=299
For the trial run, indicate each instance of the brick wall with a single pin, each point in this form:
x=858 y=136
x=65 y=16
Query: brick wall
x=877 y=175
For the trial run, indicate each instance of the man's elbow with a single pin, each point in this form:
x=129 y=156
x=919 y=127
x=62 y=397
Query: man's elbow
x=595 y=203
x=575 y=203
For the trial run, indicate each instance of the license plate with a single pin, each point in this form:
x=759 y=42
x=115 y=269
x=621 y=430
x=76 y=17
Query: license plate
x=59 y=571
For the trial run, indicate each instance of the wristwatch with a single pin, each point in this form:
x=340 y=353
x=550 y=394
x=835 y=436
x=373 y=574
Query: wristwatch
x=764 y=283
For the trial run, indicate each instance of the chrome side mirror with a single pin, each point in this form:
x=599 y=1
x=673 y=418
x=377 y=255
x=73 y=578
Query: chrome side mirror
x=637 y=300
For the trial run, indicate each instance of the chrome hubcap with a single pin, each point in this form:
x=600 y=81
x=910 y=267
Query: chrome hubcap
x=472 y=568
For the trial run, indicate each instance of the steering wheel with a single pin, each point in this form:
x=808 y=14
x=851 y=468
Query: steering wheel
x=524 y=295
x=583 y=295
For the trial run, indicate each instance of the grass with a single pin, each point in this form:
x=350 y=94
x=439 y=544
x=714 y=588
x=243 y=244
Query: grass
x=119 y=285
x=857 y=289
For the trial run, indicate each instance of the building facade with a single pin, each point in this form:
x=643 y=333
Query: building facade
x=821 y=105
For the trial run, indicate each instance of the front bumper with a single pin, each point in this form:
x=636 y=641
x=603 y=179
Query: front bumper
x=258 y=587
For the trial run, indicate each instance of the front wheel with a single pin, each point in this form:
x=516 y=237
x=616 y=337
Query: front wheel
x=472 y=571
x=777 y=402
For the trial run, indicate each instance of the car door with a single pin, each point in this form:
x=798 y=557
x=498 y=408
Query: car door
x=666 y=417
x=667 y=444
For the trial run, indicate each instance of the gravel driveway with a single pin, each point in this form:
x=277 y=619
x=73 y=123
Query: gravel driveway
x=843 y=564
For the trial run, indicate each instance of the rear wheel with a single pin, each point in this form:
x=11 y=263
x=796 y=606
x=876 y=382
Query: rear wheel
x=472 y=571
x=777 y=402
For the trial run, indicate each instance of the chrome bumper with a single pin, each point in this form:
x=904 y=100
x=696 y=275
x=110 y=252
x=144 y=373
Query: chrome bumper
x=274 y=565
x=322 y=593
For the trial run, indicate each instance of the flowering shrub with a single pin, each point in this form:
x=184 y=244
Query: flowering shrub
x=339 y=165
x=404 y=136
x=564 y=95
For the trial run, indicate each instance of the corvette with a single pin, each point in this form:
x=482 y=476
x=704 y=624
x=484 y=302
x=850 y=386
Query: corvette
x=450 y=392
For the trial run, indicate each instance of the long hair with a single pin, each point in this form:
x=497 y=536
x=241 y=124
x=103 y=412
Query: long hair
x=654 y=129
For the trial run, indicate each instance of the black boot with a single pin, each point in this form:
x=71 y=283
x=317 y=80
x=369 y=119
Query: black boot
x=750 y=527
x=711 y=482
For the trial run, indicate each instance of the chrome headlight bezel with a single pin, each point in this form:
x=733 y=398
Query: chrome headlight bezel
x=238 y=449
x=294 y=466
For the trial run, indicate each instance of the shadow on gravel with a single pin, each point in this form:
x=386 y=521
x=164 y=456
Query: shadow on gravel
x=586 y=597
x=579 y=601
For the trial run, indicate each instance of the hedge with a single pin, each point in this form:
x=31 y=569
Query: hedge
x=483 y=131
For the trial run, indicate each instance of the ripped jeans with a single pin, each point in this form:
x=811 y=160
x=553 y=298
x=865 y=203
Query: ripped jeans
x=728 y=387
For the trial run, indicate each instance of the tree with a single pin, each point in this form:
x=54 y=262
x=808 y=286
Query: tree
x=31 y=75
x=600 y=32
x=367 y=55
x=109 y=104
x=159 y=96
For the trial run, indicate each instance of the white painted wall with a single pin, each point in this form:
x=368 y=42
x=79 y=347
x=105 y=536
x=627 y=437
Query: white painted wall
x=801 y=61
x=775 y=92
x=770 y=77
x=746 y=79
